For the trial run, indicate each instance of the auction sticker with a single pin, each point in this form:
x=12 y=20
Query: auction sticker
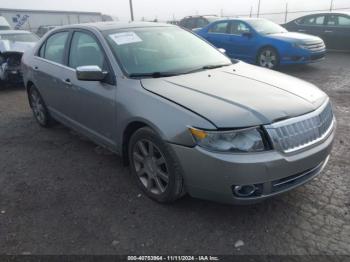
x=125 y=38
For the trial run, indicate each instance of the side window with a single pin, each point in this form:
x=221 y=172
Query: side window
x=332 y=20
x=85 y=51
x=55 y=47
x=344 y=21
x=220 y=27
x=313 y=20
x=191 y=23
x=184 y=22
x=201 y=22
x=338 y=20
x=238 y=28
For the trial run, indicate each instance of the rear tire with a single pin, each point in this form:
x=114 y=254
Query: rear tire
x=268 y=57
x=155 y=166
x=40 y=112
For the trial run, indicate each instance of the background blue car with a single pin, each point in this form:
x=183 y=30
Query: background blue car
x=262 y=42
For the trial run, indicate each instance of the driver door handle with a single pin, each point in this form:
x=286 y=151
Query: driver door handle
x=328 y=31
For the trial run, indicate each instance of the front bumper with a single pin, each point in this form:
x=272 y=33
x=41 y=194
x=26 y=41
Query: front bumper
x=212 y=176
x=301 y=56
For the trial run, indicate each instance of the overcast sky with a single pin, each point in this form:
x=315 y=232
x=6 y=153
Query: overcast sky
x=165 y=9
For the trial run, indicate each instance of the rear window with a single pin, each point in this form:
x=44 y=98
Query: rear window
x=55 y=46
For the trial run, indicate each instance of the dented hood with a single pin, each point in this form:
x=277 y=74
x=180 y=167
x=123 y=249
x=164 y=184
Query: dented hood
x=240 y=95
x=17 y=47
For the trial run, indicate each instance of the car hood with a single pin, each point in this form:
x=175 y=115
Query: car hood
x=240 y=95
x=295 y=37
x=19 y=47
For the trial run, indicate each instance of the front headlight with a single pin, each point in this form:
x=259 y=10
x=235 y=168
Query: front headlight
x=298 y=45
x=244 y=140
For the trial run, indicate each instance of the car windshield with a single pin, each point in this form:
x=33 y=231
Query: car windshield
x=266 y=27
x=20 y=37
x=162 y=51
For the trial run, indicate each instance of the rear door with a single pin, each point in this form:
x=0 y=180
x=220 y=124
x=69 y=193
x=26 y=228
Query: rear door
x=337 y=32
x=92 y=102
x=313 y=25
x=49 y=71
x=219 y=36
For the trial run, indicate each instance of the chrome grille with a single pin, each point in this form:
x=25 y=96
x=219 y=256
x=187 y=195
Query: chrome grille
x=315 y=46
x=297 y=133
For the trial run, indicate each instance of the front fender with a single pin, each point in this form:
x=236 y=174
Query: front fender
x=169 y=120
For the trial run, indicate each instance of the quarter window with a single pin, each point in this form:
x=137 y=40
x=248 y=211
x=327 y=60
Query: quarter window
x=85 y=51
x=220 y=28
x=55 y=47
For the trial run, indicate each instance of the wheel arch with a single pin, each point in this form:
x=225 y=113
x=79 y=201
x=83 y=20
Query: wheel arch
x=129 y=130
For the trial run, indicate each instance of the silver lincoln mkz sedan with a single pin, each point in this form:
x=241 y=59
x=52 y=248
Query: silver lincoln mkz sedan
x=184 y=117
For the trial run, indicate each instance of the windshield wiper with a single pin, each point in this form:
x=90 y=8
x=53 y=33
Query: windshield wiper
x=153 y=74
x=206 y=67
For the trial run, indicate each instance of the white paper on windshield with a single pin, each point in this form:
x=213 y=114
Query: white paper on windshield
x=125 y=38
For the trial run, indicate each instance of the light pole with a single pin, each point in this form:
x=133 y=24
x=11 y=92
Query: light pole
x=331 y=8
x=259 y=8
x=131 y=10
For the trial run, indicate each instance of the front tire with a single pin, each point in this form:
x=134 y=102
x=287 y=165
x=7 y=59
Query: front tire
x=268 y=57
x=155 y=166
x=40 y=112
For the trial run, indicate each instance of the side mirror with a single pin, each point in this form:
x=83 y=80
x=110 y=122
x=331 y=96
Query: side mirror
x=90 y=73
x=222 y=50
x=247 y=34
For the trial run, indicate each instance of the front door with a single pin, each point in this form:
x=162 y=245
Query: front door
x=337 y=32
x=92 y=103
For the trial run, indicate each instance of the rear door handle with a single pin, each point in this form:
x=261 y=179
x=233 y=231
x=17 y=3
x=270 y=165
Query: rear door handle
x=67 y=82
x=328 y=31
x=301 y=30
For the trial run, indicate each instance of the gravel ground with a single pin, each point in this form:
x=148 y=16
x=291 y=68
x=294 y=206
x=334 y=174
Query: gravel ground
x=61 y=194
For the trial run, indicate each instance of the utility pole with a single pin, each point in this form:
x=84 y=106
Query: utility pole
x=259 y=8
x=131 y=10
x=331 y=8
x=251 y=11
x=286 y=14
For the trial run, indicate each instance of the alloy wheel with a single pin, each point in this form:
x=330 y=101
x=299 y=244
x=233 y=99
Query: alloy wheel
x=268 y=59
x=150 y=166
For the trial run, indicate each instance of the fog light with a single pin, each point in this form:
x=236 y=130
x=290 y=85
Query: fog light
x=245 y=191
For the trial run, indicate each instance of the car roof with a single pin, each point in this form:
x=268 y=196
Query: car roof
x=11 y=32
x=198 y=16
x=104 y=26
x=247 y=19
x=328 y=13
